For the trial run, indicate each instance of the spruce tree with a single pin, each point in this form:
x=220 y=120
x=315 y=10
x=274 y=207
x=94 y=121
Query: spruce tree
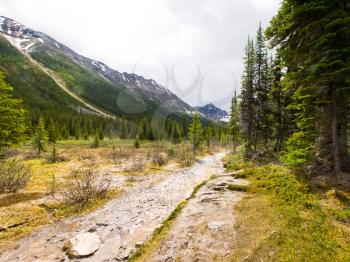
x=52 y=132
x=40 y=137
x=247 y=99
x=12 y=116
x=195 y=132
x=234 y=122
x=313 y=38
x=261 y=91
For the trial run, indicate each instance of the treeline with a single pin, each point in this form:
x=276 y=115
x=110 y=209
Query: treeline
x=295 y=99
x=18 y=124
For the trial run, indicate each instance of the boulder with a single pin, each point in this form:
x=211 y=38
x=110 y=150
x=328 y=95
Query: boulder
x=84 y=245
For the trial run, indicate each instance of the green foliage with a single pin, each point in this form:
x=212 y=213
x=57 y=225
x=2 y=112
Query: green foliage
x=234 y=122
x=52 y=133
x=12 y=116
x=312 y=38
x=303 y=230
x=40 y=137
x=196 y=133
x=137 y=142
x=96 y=142
x=299 y=150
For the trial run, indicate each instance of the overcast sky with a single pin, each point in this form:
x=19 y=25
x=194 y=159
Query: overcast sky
x=192 y=47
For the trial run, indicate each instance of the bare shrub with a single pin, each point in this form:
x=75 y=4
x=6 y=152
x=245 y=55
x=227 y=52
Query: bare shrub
x=85 y=185
x=55 y=157
x=137 y=164
x=14 y=175
x=9 y=152
x=184 y=155
x=159 y=158
x=118 y=154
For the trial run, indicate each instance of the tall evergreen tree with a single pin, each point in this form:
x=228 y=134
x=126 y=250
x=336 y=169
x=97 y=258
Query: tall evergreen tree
x=234 y=122
x=12 y=116
x=247 y=98
x=313 y=38
x=261 y=91
x=196 y=133
x=40 y=137
x=52 y=132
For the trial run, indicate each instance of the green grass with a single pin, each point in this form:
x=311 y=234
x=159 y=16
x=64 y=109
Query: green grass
x=303 y=230
x=241 y=188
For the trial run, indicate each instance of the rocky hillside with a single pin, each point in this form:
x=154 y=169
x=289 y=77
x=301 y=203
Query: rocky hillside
x=214 y=113
x=120 y=94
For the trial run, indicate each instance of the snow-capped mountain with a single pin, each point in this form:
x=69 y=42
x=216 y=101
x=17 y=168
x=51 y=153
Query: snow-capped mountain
x=212 y=112
x=28 y=41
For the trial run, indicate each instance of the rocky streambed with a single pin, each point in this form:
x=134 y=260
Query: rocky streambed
x=113 y=232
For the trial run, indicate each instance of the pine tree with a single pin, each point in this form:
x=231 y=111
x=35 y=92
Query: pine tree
x=175 y=134
x=196 y=133
x=96 y=142
x=100 y=133
x=234 y=122
x=124 y=132
x=12 y=117
x=313 y=38
x=247 y=99
x=261 y=91
x=137 y=142
x=209 y=135
x=40 y=137
x=281 y=115
x=52 y=133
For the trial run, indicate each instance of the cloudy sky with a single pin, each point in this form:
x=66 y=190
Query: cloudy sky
x=192 y=47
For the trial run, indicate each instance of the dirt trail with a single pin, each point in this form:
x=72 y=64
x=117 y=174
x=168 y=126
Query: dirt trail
x=123 y=223
x=204 y=230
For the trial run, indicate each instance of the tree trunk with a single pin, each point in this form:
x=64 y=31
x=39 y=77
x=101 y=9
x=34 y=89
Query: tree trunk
x=332 y=151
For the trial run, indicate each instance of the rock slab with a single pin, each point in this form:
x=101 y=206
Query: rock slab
x=85 y=244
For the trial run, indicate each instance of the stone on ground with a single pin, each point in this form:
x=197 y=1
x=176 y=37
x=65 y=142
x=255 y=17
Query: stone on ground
x=84 y=245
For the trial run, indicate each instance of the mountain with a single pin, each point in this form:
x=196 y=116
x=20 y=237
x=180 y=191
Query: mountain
x=214 y=113
x=59 y=75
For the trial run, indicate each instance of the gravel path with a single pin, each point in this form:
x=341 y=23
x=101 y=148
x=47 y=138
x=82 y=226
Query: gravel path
x=122 y=224
x=205 y=228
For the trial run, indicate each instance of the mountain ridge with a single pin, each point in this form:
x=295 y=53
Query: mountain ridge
x=33 y=42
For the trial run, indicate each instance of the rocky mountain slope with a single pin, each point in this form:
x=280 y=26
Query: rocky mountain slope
x=214 y=113
x=120 y=94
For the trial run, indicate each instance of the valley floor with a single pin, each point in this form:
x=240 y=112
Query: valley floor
x=126 y=222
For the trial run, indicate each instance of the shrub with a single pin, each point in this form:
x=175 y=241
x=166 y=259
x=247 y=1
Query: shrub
x=96 y=142
x=85 y=185
x=137 y=164
x=54 y=157
x=185 y=155
x=14 y=176
x=137 y=142
x=159 y=158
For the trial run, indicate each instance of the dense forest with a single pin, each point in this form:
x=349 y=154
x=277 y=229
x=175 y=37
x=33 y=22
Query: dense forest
x=295 y=86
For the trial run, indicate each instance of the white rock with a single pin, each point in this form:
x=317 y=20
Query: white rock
x=85 y=244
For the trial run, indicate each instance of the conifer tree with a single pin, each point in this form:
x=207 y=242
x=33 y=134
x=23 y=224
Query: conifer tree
x=40 y=137
x=175 y=134
x=313 y=38
x=52 y=132
x=137 y=142
x=247 y=98
x=234 y=122
x=196 y=133
x=261 y=92
x=12 y=116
